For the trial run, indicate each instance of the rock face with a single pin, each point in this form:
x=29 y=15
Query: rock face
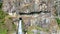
x=24 y=6
x=42 y=23
x=48 y=24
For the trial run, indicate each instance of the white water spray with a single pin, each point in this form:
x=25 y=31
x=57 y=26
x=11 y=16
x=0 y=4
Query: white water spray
x=20 y=26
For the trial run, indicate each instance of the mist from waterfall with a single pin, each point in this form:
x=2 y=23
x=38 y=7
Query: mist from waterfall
x=20 y=27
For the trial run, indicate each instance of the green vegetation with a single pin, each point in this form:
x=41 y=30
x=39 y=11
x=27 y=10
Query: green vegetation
x=2 y=14
x=31 y=28
x=23 y=26
x=0 y=5
x=3 y=30
x=58 y=21
x=5 y=21
x=29 y=32
x=14 y=27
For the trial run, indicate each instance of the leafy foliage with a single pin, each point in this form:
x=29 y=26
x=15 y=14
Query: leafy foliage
x=58 y=21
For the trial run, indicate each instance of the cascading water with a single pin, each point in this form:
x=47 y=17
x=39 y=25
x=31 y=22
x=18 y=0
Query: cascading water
x=20 y=26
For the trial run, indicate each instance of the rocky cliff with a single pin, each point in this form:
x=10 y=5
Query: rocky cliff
x=42 y=21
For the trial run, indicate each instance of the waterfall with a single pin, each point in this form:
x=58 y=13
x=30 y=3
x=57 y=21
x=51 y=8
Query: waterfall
x=20 y=26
